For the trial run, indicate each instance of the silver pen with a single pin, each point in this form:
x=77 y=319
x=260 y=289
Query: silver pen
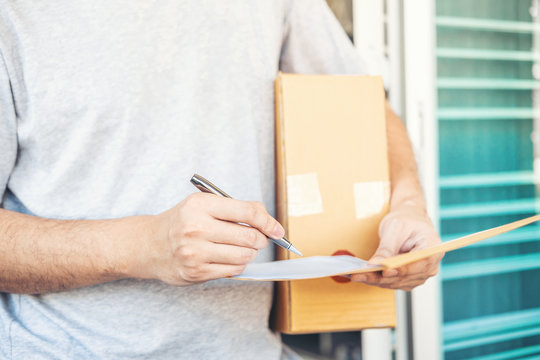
x=206 y=186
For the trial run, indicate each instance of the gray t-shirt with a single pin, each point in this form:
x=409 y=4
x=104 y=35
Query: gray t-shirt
x=106 y=110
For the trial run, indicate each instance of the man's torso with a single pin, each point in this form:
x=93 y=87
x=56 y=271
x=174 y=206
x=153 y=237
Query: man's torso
x=118 y=104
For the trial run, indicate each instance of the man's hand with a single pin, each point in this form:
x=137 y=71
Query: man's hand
x=200 y=240
x=197 y=240
x=406 y=228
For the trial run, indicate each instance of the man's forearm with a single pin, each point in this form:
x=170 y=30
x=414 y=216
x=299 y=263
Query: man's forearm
x=200 y=239
x=406 y=189
x=407 y=226
x=42 y=255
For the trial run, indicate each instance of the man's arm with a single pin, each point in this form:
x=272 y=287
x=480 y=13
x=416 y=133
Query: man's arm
x=196 y=241
x=407 y=227
x=42 y=255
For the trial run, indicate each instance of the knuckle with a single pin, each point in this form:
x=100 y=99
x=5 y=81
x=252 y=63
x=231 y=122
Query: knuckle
x=371 y=279
x=401 y=272
x=193 y=229
x=397 y=271
x=187 y=254
x=259 y=217
x=189 y=232
x=252 y=212
x=367 y=278
x=261 y=241
x=247 y=255
x=259 y=205
x=193 y=200
x=251 y=237
x=191 y=274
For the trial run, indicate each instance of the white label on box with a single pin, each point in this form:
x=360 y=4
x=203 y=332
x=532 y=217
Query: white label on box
x=370 y=198
x=303 y=195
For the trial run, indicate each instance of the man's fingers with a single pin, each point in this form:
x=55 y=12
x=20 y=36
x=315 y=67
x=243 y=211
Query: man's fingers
x=425 y=267
x=248 y=212
x=401 y=231
x=394 y=282
x=389 y=246
x=227 y=254
x=391 y=283
x=223 y=270
x=392 y=233
x=235 y=234
x=373 y=277
x=211 y=272
x=382 y=253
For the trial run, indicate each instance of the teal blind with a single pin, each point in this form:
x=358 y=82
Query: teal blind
x=485 y=84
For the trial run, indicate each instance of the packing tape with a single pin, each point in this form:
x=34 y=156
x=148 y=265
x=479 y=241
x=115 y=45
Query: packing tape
x=303 y=195
x=371 y=198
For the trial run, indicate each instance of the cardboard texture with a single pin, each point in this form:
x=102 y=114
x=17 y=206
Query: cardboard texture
x=332 y=192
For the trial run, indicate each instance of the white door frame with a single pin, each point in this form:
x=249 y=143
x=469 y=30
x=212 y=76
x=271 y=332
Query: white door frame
x=407 y=63
x=420 y=104
x=369 y=22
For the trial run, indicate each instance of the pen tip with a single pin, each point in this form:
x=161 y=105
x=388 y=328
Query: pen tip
x=295 y=250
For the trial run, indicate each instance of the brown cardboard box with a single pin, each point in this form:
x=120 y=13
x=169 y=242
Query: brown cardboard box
x=332 y=192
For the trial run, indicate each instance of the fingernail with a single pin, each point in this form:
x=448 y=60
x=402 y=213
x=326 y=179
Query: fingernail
x=278 y=231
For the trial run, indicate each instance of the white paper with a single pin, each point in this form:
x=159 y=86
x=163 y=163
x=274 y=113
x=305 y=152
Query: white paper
x=303 y=268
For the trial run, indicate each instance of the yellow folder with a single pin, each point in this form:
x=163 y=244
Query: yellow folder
x=407 y=258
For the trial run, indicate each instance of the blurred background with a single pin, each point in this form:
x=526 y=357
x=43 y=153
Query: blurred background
x=464 y=76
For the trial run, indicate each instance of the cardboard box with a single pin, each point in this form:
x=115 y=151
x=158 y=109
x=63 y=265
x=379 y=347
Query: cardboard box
x=332 y=192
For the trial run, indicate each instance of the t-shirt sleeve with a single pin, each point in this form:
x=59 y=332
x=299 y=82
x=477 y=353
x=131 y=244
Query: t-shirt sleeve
x=8 y=134
x=315 y=43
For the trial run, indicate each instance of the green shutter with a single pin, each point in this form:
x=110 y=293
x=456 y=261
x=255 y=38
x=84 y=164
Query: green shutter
x=491 y=291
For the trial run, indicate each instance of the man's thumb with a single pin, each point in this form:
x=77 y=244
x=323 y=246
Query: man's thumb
x=384 y=251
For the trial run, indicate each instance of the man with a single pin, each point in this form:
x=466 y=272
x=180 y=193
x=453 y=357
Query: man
x=106 y=110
